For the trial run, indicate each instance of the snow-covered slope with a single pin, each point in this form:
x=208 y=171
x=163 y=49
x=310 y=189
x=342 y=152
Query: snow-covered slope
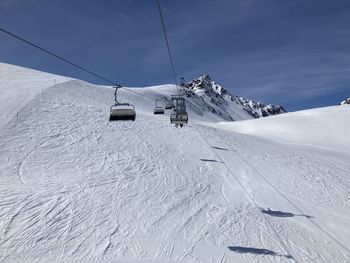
x=18 y=86
x=74 y=187
x=323 y=127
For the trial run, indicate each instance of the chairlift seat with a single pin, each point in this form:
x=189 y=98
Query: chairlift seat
x=179 y=114
x=179 y=118
x=169 y=106
x=158 y=110
x=122 y=111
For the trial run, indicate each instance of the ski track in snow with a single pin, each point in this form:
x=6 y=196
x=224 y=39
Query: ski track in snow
x=75 y=187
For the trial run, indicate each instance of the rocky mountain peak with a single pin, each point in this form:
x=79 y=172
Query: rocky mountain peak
x=219 y=99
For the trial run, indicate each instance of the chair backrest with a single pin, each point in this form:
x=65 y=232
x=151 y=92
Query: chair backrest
x=180 y=104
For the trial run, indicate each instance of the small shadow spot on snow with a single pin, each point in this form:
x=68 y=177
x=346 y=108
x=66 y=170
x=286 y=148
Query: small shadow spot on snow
x=210 y=160
x=256 y=251
x=277 y=213
x=220 y=148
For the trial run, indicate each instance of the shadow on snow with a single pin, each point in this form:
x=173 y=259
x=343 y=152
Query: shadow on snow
x=256 y=251
x=277 y=213
x=220 y=148
x=210 y=160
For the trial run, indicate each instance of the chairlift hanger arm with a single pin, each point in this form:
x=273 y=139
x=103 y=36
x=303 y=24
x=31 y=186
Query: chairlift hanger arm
x=115 y=93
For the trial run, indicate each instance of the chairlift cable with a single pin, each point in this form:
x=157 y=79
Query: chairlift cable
x=57 y=56
x=167 y=42
x=68 y=61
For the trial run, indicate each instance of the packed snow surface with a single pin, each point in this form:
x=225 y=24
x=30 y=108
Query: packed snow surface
x=74 y=187
x=320 y=127
x=18 y=86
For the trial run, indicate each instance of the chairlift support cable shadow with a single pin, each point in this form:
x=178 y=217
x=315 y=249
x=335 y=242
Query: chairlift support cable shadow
x=249 y=195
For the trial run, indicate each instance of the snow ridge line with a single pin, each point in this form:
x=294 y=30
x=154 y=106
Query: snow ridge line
x=23 y=107
x=249 y=195
x=289 y=201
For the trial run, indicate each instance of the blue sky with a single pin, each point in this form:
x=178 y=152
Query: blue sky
x=290 y=52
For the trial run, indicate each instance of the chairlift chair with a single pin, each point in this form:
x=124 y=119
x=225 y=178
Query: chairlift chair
x=121 y=111
x=158 y=109
x=182 y=82
x=179 y=114
x=169 y=105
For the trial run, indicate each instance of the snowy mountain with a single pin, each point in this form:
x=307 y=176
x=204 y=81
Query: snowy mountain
x=77 y=188
x=347 y=101
x=219 y=100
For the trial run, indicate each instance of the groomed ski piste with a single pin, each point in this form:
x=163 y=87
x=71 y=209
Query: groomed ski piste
x=77 y=188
